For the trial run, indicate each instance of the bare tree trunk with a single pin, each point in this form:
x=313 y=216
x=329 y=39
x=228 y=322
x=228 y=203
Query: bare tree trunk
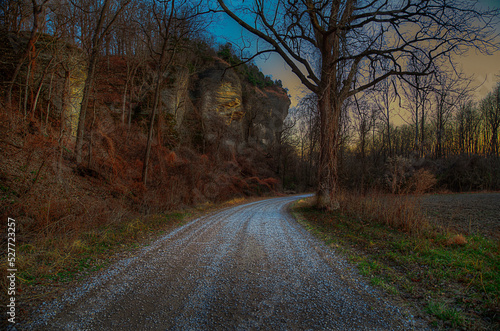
x=422 y=128
x=97 y=38
x=48 y=103
x=329 y=109
x=162 y=65
x=311 y=149
x=91 y=136
x=156 y=102
x=62 y=132
x=26 y=87
x=83 y=109
x=131 y=71
x=124 y=101
x=39 y=89
x=389 y=136
x=37 y=11
x=417 y=93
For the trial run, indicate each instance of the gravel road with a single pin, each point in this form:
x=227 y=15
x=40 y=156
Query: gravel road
x=245 y=267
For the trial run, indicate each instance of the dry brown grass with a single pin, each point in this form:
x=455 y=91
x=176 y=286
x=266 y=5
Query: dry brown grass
x=457 y=239
x=400 y=212
x=66 y=214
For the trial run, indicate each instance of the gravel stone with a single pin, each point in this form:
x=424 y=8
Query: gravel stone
x=245 y=267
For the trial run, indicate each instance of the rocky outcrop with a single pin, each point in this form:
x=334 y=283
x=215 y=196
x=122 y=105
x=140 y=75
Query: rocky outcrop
x=256 y=114
x=192 y=103
x=266 y=110
x=219 y=90
x=176 y=98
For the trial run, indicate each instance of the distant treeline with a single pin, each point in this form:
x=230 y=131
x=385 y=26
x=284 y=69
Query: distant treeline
x=449 y=141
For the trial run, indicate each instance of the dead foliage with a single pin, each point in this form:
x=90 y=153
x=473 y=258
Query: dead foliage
x=457 y=239
x=399 y=212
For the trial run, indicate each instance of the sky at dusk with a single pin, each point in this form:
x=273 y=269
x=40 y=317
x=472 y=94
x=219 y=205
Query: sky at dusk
x=484 y=68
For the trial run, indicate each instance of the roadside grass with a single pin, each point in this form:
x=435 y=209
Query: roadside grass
x=51 y=261
x=59 y=258
x=444 y=313
x=453 y=279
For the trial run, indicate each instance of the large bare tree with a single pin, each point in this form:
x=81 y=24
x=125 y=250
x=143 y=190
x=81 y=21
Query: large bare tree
x=330 y=44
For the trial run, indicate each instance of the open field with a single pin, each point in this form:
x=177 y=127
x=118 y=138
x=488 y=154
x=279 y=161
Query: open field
x=467 y=213
x=448 y=273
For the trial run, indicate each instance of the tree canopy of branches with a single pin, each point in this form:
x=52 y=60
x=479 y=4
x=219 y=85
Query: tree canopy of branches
x=461 y=152
x=342 y=47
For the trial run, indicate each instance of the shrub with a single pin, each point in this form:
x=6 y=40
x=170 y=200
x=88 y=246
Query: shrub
x=467 y=173
x=398 y=170
x=422 y=181
x=457 y=240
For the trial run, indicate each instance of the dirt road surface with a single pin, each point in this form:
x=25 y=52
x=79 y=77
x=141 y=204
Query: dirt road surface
x=245 y=267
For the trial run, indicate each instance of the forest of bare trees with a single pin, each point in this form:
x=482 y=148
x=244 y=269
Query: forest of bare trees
x=385 y=92
x=137 y=31
x=458 y=152
x=340 y=49
x=107 y=91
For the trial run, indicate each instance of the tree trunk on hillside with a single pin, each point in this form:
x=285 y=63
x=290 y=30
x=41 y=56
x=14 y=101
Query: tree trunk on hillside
x=64 y=111
x=89 y=81
x=156 y=102
x=48 y=103
x=132 y=66
x=165 y=20
x=97 y=38
x=39 y=89
x=38 y=9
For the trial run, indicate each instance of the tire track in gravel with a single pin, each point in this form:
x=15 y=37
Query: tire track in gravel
x=246 y=267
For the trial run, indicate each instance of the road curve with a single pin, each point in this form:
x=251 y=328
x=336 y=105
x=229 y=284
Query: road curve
x=245 y=267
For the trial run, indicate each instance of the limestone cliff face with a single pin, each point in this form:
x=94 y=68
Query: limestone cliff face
x=219 y=90
x=197 y=103
x=266 y=110
x=256 y=115
x=176 y=97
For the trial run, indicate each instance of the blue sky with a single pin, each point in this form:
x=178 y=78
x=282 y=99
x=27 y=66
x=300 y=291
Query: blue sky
x=483 y=67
